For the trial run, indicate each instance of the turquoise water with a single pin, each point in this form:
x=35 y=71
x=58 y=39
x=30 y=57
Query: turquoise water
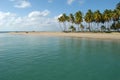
x=33 y=57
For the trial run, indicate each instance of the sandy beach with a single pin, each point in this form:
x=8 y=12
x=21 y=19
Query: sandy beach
x=80 y=35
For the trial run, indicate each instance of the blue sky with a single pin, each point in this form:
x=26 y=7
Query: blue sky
x=17 y=15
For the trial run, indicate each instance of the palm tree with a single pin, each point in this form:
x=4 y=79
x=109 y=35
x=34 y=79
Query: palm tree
x=71 y=18
x=118 y=6
x=82 y=27
x=115 y=16
x=64 y=19
x=107 y=16
x=118 y=9
x=89 y=18
x=97 y=17
x=103 y=20
x=72 y=28
x=68 y=21
x=60 y=21
x=78 y=18
x=103 y=28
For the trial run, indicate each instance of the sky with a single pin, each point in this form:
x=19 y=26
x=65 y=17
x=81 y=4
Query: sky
x=41 y=15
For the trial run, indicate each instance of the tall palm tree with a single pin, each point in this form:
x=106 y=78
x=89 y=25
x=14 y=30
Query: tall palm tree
x=107 y=15
x=103 y=20
x=64 y=19
x=78 y=18
x=118 y=6
x=71 y=18
x=89 y=18
x=60 y=21
x=118 y=9
x=97 y=17
x=82 y=27
x=115 y=16
x=68 y=22
x=118 y=12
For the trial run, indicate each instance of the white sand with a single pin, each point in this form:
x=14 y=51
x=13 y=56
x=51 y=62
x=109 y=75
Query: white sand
x=81 y=35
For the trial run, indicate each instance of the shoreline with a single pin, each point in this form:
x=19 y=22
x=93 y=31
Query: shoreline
x=108 y=36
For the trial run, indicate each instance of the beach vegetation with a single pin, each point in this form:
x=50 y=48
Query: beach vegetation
x=72 y=28
x=106 y=21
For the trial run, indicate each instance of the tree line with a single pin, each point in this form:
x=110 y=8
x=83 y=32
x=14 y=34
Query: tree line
x=109 y=20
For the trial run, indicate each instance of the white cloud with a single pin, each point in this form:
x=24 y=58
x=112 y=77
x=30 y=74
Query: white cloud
x=81 y=2
x=56 y=17
x=38 y=13
x=6 y=18
x=21 y=3
x=50 y=1
x=70 y=1
x=34 y=19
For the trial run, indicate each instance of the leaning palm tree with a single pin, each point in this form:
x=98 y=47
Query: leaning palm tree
x=97 y=17
x=78 y=18
x=68 y=21
x=89 y=18
x=60 y=21
x=64 y=19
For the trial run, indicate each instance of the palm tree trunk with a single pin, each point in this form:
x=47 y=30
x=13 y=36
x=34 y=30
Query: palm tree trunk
x=106 y=25
x=64 y=26
x=97 y=25
x=109 y=25
x=89 y=27
x=78 y=27
x=60 y=27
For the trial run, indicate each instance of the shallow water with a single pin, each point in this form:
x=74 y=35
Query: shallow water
x=33 y=57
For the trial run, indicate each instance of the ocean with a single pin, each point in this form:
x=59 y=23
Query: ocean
x=35 y=57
